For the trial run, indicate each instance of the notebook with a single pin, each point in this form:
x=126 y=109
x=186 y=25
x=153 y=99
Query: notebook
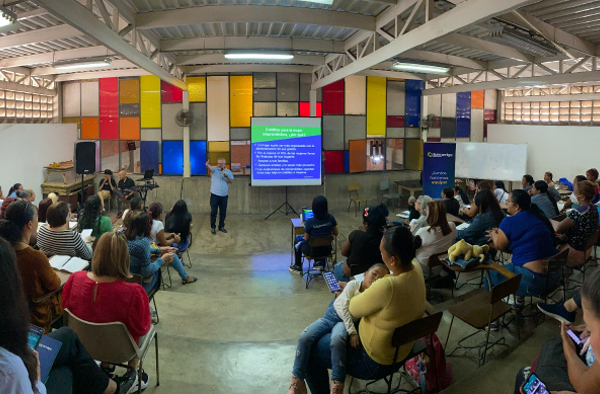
x=47 y=349
x=68 y=263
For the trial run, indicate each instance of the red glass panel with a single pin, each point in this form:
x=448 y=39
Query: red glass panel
x=333 y=98
x=334 y=161
x=170 y=93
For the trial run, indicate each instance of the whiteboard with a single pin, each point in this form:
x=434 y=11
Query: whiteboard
x=507 y=162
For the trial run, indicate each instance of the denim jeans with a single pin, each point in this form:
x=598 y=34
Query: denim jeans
x=183 y=245
x=532 y=283
x=358 y=364
x=338 y=272
x=178 y=266
x=331 y=324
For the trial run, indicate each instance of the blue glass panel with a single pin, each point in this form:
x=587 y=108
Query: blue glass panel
x=346 y=161
x=149 y=155
x=198 y=157
x=414 y=89
x=172 y=157
x=463 y=115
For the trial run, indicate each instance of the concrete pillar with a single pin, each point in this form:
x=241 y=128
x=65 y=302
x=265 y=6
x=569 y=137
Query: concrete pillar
x=186 y=138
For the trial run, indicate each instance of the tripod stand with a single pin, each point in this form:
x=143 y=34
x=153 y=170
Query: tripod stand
x=288 y=208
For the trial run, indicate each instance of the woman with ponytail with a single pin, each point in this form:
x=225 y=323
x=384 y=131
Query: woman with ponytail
x=362 y=247
x=12 y=192
x=530 y=236
x=17 y=227
x=392 y=301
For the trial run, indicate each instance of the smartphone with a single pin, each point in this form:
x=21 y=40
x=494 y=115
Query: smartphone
x=534 y=385
x=576 y=339
x=34 y=336
x=331 y=282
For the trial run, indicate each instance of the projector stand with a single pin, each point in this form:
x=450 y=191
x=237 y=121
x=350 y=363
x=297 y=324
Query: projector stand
x=288 y=208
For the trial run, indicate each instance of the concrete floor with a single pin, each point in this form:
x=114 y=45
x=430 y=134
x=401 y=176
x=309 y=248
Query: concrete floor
x=235 y=330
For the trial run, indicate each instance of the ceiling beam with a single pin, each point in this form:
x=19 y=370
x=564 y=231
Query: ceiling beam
x=116 y=65
x=464 y=41
x=389 y=74
x=252 y=13
x=450 y=60
x=4 y=85
x=554 y=33
x=274 y=43
x=39 y=35
x=220 y=59
x=519 y=82
x=100 y=74
x=51 y=57
x=81 y=18
x=463 y=15
x=242 y=68
x=31 y=14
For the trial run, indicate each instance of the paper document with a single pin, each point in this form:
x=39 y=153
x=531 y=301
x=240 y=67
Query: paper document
x=68 y=263
x=86 y=233
x=403 y=215
x=462 y=226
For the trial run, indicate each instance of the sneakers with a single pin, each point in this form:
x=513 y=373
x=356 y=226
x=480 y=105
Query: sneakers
x=519 y=302
x=222 y=229
x=294 y=269
x=337 y=387
x=125 y=382
x=154 y=316
x=213 y=231
x=134 y=388
x=494 y=326
x=297 y=386
x=557 y=311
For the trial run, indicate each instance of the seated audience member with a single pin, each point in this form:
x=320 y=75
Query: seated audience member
x=1 y=196
x=126 y=183
x=580 y=224
x=548 y=179
x=527 y=232
x=73 y=371
x=23 y=195
x=157 y=229
x=421 y=206
x=7 y=201
x=390 y=302
x=53 y=197
x=12 y=192
x=92 y=218
x=572 y=201
x=437 y=236
x=413 y=214
x=500 y=192
x=473 y=210
x=140 y=252
x=461 y=196
x=488 y=217
x=320 y=225
x=338 y=322
x=103 y=295
x=106 y=187
x=527 y=182
x=452 y=206
x=362 y=247
x=56 y=237
x=563 y=367
x=541 y=198
x=43 y=209
x=135 y=205
x=592 y=176
x=31 y=197
x=38 y=277
x=179 y=221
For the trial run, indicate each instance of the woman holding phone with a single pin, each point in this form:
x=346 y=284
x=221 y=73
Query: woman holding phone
x=73 y=371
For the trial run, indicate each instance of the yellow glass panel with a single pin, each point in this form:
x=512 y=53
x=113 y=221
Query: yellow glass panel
x=376 y=106
x=129 y=91
x=240 y=100
x=150 y=102
x=218 y=146
x=197 y=89
x=414 y=155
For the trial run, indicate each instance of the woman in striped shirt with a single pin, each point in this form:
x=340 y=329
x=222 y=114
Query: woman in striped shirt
x=56 y=237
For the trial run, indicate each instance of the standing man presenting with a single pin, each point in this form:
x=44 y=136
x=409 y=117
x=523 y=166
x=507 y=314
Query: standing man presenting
x=220 y=180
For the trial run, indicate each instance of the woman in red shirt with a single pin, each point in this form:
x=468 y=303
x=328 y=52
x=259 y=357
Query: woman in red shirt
x=103 y=296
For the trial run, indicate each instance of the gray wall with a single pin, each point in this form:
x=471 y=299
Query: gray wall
x=263 y=200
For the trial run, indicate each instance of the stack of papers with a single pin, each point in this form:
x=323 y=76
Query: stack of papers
x=462 y=226
x=68 y=263
x=403 y=215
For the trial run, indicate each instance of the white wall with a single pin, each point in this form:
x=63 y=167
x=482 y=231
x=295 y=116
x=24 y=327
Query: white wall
x=26 y=149
x=565 y=151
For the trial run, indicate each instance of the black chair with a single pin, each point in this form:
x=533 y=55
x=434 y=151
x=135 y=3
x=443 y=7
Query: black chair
x=317 y=243
x=410 y=332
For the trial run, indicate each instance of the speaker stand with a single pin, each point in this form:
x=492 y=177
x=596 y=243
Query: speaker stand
x=288 y=208
x=81 y=195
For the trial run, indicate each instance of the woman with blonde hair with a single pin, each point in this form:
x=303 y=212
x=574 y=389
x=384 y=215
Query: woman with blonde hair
x=437 y=236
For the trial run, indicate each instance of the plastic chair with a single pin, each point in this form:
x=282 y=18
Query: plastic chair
x=112 y=343
x=317 y=242
x=480 y=311
x=384 y=187
x=410 y=332
x=355 y=198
